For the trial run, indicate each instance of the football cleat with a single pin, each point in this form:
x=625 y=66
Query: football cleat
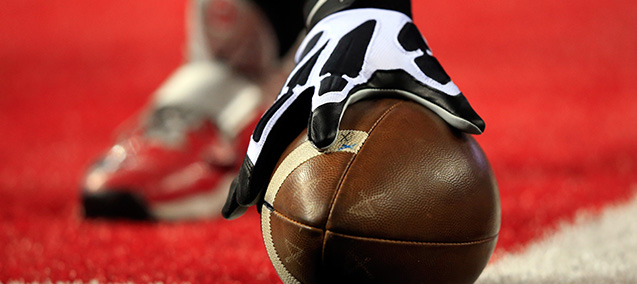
x=179 y=162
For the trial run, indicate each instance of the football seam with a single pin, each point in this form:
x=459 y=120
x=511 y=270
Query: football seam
x=488 y=239
x=325 y=231
x=353 y=159
x=344 y=175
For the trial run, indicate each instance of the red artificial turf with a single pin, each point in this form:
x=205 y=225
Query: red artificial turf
x=553 y=80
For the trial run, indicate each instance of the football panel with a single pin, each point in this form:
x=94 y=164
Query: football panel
x=415 y=179
x=350 y=259
x=294 y=249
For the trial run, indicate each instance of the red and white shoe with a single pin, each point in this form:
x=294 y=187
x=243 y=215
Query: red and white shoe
x=179 y=162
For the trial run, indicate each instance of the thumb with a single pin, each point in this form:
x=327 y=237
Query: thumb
x=232 y=209
x=324 y=123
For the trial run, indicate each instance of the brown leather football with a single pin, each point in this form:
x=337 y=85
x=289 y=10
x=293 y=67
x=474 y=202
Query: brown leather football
x=399 y=198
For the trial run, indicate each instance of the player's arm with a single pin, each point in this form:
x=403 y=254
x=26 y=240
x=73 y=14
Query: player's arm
x=353 y=50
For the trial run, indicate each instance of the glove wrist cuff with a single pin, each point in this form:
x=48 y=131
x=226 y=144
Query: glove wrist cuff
x=315 y=10
x=347 y=20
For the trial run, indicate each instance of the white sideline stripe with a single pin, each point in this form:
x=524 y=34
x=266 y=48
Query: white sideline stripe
x=599 y=249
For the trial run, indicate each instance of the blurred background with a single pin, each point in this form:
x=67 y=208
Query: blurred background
x=554 y=80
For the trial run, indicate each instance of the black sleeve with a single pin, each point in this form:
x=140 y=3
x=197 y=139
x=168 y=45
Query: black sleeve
x=288 y=17
x=316 y=10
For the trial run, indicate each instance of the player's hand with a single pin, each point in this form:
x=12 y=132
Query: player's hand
x=345 y=57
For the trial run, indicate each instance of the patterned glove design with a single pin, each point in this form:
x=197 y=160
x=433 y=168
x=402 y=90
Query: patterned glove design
x=347 y=56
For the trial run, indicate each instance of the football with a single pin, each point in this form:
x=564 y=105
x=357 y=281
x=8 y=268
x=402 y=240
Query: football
x=400 y=197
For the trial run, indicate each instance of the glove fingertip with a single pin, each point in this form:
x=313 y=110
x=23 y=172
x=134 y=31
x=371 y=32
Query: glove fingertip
x=245 y=195
x=231 y=205
x=323 y=125
x=233 y=213
x=321 y=137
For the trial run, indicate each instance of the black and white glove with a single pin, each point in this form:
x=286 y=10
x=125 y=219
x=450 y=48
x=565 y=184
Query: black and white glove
x=346 y=56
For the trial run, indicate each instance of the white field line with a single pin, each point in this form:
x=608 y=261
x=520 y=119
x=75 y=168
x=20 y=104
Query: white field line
x=595 y=249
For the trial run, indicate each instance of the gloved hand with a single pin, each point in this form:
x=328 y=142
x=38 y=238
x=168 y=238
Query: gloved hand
x=346 y=56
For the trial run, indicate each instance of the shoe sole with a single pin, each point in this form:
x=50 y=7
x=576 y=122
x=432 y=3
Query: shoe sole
x=124 y=204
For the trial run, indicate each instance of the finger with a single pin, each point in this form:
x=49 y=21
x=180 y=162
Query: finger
x=246 y=195
x=455 y=110
x=278 y=126
x=254 y=177
x=232 y=209
x=324 y=123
